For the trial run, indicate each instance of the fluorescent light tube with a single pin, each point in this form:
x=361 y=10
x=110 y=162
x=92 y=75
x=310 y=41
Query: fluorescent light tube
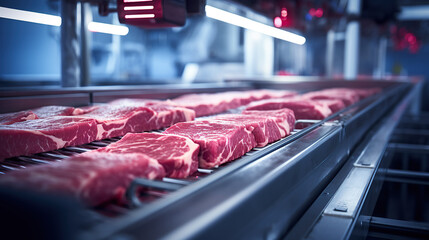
x=420 y=12
x=133 y=16
x=108 y=28
x=128 y=1
x=28 y=16
x=53 y=20
x=243 y=22
x=133 y=8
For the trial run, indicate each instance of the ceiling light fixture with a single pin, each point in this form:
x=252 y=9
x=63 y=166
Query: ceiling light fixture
x=243 y=22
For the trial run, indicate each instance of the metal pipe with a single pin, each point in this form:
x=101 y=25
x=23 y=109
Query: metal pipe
x=351 y=58
x=330 y=51
x=396 y=228
x=410 y=148
x=85 y=44
x=70 y=53
x=381 y=61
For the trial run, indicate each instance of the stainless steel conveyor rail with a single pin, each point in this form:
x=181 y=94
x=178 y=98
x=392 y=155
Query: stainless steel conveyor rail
x=337 y=212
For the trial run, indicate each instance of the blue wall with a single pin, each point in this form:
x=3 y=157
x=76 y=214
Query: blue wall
x=30 y=51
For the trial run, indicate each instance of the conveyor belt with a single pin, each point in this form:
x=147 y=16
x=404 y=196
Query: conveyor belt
x=266 y=191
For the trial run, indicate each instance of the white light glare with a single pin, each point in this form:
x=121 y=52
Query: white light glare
x=133 y=16
x=243 y=22
x=108 y=28
x=128 y=1
x=53 y=20
x=132 y=8
x=420 y=12
x=28 y=16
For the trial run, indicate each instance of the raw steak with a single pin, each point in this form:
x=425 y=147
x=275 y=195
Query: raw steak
x=219 y=141
x=133 y=101
x=178 y=155
x=265 y=129
x=88 y=109
x=348 y=96
x=166 y=115
x=9 y=118
x=256 y=95
x=40 y=135
x=284 y=117
x=334 y=104
x=206 y=104
x=303 y=109
x=118 y=120
x=212 y=103
x=93 y=177
x=50 y=111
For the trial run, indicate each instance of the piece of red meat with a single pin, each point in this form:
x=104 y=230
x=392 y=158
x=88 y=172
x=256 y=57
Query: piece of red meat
x=41 y=135
x=136 y=101
x=206 y=104
x=265 y=129
x=10 y=118
x=219 y=141
x=118 y=120
x=93 y=177
x=284 y=117
x=177 y=154
x=334 y=104
x=303 y=109
x=50 y=111
x=166 y=114
x=348 y=96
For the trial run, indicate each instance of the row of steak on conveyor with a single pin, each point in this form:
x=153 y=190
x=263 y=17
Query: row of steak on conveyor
x=103 y=175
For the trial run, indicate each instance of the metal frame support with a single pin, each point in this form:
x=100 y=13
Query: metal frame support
x=70 y=47
x=85 y=43
x=391 y=228
x=330 y=51
x=381 y=61
x=351 y=58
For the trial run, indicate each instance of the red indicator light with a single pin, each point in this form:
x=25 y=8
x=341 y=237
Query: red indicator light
x=319 y=13
x=316 y=12
x=283 y=13
x=132 y=1
x=278 y=22
x=410 y=38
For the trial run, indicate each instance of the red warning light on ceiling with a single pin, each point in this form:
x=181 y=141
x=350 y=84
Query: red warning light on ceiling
x=283 y=13
x=319 y=13
x=411 y=39
x=316 y=12
x=283 y=20
x=278 y=22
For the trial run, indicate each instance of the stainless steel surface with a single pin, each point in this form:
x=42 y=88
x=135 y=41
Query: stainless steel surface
x=401 y=211
x=335 y=213
x=85 y=44
x=385 y=228
x=347 y=198
x=124 y=90
x=70 y=48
